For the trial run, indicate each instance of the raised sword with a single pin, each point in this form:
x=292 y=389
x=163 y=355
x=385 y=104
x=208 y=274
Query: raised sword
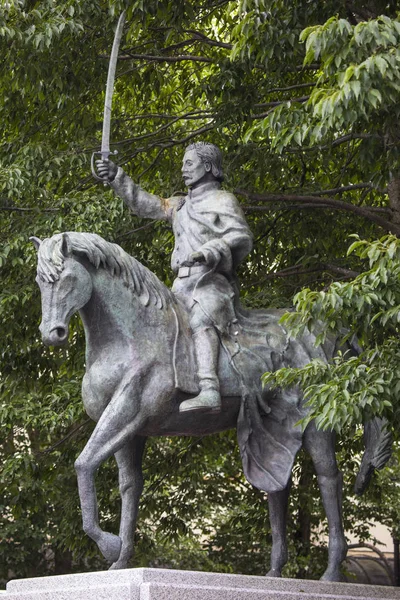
x=105 y=140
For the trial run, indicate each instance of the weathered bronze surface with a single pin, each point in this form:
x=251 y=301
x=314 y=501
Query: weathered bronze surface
x=186 y=361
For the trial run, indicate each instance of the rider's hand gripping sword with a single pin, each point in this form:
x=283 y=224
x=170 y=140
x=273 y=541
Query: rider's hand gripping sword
x=105 y=140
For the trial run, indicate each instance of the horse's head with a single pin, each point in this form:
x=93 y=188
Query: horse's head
x=66 y=286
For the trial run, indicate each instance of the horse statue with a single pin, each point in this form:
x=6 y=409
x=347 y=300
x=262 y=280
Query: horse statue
x=140 y=366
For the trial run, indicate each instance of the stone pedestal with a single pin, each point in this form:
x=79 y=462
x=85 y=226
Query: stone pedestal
x=160 y=584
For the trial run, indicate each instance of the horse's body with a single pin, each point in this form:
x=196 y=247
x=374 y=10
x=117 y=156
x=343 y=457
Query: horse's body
x=131 y=386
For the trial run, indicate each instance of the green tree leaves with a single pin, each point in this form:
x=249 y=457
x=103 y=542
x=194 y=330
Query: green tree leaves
x=353 y=388
x=308 y=123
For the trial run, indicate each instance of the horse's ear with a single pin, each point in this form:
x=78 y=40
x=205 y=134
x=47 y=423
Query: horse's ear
x=66 y=247
x=35 y=241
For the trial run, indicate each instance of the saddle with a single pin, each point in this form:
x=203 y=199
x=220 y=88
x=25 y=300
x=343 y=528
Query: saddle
x=253 y=344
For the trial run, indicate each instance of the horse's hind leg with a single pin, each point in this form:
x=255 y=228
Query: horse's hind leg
x=278 y=507
x=129 y=460
x=321 y=447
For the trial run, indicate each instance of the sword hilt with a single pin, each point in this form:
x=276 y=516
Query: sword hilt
x=105 y=157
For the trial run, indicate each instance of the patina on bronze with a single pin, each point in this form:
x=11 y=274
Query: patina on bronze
x=138 y=334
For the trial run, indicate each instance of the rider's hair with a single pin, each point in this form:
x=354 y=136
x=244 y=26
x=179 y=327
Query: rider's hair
x=209 y=153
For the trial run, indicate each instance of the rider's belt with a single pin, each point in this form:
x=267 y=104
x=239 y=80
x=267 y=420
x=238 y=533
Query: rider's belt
x=196 y=269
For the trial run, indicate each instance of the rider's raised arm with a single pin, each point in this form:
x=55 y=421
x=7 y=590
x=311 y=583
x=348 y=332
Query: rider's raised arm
x=139 y=201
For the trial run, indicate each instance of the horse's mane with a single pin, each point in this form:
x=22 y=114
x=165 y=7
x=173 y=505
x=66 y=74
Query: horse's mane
x=111 y=257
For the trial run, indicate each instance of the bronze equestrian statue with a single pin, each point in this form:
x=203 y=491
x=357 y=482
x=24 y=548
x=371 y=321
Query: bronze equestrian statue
x=186 y=361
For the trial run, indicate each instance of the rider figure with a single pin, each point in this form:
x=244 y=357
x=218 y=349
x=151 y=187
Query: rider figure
x=211 y=239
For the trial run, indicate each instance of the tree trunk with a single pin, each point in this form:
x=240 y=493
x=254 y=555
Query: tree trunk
x=394 y=199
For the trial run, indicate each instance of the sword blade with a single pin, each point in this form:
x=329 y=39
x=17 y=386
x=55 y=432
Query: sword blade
x=105 y=140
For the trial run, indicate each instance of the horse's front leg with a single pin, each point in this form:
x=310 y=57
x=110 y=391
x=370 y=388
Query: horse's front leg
x=119 y=422
x=108 y=543
x=278 y=507
x=321 y=446
x=129 y=460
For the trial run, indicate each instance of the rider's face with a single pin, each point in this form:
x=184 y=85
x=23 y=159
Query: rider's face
x=194 y=171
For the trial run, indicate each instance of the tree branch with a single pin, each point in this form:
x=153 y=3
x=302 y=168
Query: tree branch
x=204 y=38
x=335 y=204
x=158 y=58
x=286 y=89
x=344 y=188
x=178 y=45
x=151 y=165
x=302 y=206
x=349 y=137
x=334 y=143
x=171 y=143
x=310 y=67
x=69 y=435
x=132 y=231
x=30 y=209
x=300 y=270
x=160 y=129
x=276 y=103
x=195 y=114
x=213 y=8
x=341 y=270
x=273 y=207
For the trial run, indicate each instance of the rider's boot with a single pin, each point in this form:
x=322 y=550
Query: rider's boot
x=206 y=345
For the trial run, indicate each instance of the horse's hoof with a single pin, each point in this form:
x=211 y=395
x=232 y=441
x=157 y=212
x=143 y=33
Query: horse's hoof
x=333 y=576
x=110 y=546
x=123 y=560
x=120 y=564
x=273 y=573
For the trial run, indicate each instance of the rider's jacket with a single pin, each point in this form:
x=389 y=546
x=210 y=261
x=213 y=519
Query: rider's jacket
x=207 y=220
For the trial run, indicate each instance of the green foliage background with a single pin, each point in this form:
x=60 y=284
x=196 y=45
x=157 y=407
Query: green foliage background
x=302 y=98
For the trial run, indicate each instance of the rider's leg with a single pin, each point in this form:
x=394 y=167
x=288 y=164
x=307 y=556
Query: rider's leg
x=206 y=345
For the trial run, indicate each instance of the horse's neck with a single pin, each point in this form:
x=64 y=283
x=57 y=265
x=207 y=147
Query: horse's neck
x=112 y=316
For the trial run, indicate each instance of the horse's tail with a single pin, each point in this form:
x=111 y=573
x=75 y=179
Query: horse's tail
x=378 y=441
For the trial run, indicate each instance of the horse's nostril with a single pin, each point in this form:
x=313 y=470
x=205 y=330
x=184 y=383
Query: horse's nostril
x=60 y=332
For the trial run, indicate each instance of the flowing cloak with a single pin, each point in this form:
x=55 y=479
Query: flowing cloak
x=268 y=430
